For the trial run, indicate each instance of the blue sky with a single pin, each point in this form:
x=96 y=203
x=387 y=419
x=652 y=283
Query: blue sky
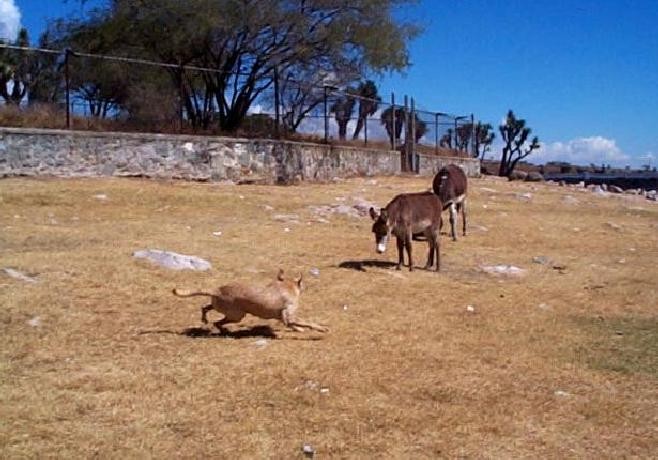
x=583 y=73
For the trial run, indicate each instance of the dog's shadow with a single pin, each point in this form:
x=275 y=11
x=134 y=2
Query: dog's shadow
x=264 y=332
x=361 y=265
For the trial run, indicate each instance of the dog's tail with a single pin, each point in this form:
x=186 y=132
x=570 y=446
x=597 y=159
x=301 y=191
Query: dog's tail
x=187 y=293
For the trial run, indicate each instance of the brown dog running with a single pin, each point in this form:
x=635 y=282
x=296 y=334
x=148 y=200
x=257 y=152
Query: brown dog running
x=277 y=300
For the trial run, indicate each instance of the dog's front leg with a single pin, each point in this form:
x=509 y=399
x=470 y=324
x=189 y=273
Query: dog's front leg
x=288 y=319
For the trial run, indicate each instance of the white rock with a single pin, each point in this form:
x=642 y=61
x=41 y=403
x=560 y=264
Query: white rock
x=19 y=275
x=510 y=270
x=217 y=233
x=524 y=196
x=308 y=450
x=286 y=217
x=561 y=393
x=470 y=308
x=34 y=322
x=597 y=190
x=101 y=196
x=286 y=229
x=261 y=342
x=314 y=271
x=173 y=260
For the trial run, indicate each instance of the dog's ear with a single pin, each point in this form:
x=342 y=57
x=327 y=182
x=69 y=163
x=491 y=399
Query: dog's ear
x=373 y=214
x=279 y=276
x=299 y=282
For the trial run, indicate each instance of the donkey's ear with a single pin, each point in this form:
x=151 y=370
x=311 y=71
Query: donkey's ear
x=384 y=214
x=279 y=276
x=373 y=214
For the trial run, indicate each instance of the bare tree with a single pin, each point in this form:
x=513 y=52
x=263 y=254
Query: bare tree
x=515 y=133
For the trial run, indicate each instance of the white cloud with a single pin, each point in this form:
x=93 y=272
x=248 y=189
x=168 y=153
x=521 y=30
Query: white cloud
x=10 y=20
x=583 y=151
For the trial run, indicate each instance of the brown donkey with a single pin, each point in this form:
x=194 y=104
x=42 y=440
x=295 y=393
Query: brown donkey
x=408 y=214
x=450 y=185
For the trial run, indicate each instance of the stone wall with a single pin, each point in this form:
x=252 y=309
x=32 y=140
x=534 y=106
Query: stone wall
x=36 y=152
x=428 y=165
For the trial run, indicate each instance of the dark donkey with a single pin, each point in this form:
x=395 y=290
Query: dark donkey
x=450 y=185
x=405 y=215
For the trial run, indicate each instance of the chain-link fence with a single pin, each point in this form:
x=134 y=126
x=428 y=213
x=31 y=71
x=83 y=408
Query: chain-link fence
x=70 y=90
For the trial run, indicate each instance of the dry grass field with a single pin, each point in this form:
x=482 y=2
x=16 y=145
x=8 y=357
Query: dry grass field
x=99 y=359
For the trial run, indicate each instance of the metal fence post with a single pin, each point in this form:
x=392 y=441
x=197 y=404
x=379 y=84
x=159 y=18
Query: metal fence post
x=365 y=128
x=473 y=153
x=406 y=133
x=277 y=104
x=326 y=116
x=412 y=135
x=393 y=121
x=180 y=99
x=436 y=133
x=67 y=78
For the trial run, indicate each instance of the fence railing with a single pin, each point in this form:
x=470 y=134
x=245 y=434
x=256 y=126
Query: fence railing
x=75 y=90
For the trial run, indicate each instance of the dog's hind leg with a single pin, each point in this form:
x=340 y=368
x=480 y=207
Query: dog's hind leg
x=220 y=324
x=204 y=313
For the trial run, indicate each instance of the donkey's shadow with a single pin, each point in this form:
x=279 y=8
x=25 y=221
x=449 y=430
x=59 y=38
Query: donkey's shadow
x=361 y=265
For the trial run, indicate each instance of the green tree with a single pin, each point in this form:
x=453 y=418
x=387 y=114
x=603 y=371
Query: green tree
x=420 y=128
x=446 y=139
x=244 y=41
x=368 y=104
x=14 y=71
x=393 y=125
x=514 y=134
x=484 y=137
x=46 y=74
x=343 y=109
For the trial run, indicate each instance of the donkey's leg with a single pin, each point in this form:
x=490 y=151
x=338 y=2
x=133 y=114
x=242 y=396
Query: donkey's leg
x=437 y=249
x=399 y=242
x=463 y=206
x=453 y=216
x=430 y=252
x=407 y=243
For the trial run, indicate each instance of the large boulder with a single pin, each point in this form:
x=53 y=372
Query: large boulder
x=172 y=260
x=534 y=177
x=517 y=175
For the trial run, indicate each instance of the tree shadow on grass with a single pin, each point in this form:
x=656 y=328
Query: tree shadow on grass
x=360 y=265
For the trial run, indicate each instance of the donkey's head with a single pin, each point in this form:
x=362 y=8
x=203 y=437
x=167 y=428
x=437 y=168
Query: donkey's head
x=380 y=228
